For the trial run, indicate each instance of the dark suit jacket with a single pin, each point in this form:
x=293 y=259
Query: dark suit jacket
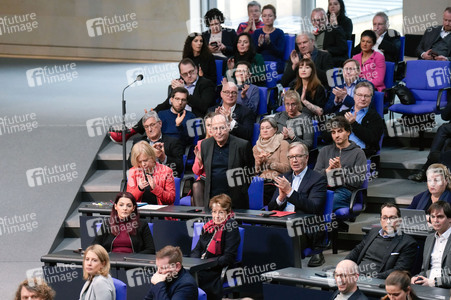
x=445 y=280
x=399 y=256
x=430 y=36
x=323 y=62
x=204 y=96
x=369 y=130
x=245 y=119
x=310 y=197
x=228 y=39
x=348 y=100
x=173 y=148
x=390 y=46
x=181 y=287
x=240 y=156
x=335 y=43
x=423 y=200
x=357 y=295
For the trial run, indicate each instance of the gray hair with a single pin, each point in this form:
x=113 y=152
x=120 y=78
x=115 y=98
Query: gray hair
x=383 y=15
x=254 y=3
x=299 y=144
x=318 y=9
x=151 y=114
x=309 y=35
x=364 y=84
x=270 y=120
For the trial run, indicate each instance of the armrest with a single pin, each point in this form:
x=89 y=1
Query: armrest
x=353 y=200
x=439 y=96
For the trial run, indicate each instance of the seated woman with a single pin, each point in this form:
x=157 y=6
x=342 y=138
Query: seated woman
x=148 y=180
x=336 y=13
x=372 y=63
x=198 y=51
x=294 y=125
x=270 y=154
x=96 y=269
x=248 y=93
x=124 y=232
x=220 y=238
x=220 y=40
x=439 y=188
x=270 y=41
x=307 y=84
x=198 y=168
x=397 y=286
x=244 y=50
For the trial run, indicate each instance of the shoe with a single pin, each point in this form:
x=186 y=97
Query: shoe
x=316 y=260
x=418 y=177
x=116 y=136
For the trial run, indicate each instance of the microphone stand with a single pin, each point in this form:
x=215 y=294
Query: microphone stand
x=124 y=146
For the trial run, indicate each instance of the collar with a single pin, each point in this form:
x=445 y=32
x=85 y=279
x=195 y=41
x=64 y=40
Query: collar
x=364 y=110
x=193 y=84
x=232 y=109
x=445 y=235
x=443 y=30
x=175 y=113
x=302 y=174
x=391 y=235
x=159 y=139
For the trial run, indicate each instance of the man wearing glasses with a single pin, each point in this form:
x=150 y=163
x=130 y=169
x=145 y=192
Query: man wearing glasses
x=387 y=249
x=227 y=161
x=174 y=119
x=240 y=118
x=302 y=190
x=346 y=276
x=367 y=124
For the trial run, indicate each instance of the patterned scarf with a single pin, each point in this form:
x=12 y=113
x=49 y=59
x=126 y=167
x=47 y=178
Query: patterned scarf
x=214 y=247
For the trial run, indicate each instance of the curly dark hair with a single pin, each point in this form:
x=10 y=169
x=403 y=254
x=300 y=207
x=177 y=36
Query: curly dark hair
x=249 y=55
x=212 y=14
x=188 y=49
x=38 y=286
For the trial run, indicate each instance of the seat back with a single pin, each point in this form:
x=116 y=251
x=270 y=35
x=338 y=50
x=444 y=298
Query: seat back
x=121 y=289
x=328 y=208
x=316 y=133
x=271 y=74
x=177 y=190
x=151 y=227
x=349 y=47
x=389 y=74
x=378 y=103
x=290 y=40
x=402 y=48
x=255 y=193
x=255 y=133
x=201 y=294
x=263 y=101
x=219 y=64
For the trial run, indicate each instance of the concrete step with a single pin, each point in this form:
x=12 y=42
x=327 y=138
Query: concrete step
x=401 y=162
x=110 y=157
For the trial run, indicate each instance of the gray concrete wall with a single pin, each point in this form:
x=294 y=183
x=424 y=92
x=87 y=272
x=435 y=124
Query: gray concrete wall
x=420 y=14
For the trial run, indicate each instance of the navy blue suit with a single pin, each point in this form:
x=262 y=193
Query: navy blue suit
x=245 y=119
x=423 y=200
x=182 y=287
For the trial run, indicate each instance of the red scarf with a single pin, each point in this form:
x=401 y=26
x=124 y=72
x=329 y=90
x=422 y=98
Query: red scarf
x=214 y=247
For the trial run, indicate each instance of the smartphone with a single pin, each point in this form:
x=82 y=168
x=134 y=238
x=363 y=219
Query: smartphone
x=214 y=44
x=433 y=53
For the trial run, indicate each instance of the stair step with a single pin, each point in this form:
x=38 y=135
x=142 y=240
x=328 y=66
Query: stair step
x=103 y=181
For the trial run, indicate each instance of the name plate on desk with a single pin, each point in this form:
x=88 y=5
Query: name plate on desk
x=151 y=207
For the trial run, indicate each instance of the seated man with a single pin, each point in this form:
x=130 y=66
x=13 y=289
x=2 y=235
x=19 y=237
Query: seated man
x=201 y=96
x=367 y=124
x=385 y=250
x=346 y=276
x=254 y=11
x=436 y=41
x=34 y=288
x=174 y=119
x=218 y=156
x=329 y=38
x=305 y=48
x=169 y=150
x=342 y=96
x=343 y=162
x=436 y=268
x=171 y=281
x=239 y=117
x=388 y=41
x=302 y=190
x=248 y=93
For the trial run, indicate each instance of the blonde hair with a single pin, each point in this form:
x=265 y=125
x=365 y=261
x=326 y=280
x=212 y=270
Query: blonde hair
x=103 y=257
x=443 y=170
x=139 y=148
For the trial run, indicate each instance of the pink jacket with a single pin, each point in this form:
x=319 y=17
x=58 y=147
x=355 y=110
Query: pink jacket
x=164 y=184
x=373 y=69
x=196 y=169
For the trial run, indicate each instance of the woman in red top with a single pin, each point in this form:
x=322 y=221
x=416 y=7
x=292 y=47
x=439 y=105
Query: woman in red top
x=148 y=180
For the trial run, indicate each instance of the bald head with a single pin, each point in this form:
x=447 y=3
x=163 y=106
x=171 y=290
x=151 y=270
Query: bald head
x=346 y=276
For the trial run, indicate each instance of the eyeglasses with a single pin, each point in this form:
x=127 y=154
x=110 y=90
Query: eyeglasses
x=180 y=99
x=189 y=73
x=391 y=219
x=349 y=69
x=290 y=104
x=363 y=96
x=151 y=125
x=298 y=156
x=229 y=93
x=220 y=128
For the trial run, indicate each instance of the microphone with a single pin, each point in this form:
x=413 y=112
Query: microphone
x=139 y=77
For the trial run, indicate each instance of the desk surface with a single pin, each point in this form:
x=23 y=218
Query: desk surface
x=127 y=260
x=369 y=286
x=191 y=212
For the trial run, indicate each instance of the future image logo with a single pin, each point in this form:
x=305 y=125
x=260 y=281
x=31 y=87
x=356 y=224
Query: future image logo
x=110 y=25
x=18 y=23
x=335 y=77
x=195 y=127
x=48 y=175
x=438 y=77
x=51 y=74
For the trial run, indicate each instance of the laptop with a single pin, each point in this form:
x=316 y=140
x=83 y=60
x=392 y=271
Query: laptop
x=414 y=220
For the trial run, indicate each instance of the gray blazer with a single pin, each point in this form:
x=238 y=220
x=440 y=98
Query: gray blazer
x=101 y=288
x=445 y=280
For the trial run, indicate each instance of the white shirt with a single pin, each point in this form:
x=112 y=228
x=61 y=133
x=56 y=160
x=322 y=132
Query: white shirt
x=444 y=33
x=379 y=41
x=190 y=89
x=342 y=296
x=437 y=254
x=297 y=179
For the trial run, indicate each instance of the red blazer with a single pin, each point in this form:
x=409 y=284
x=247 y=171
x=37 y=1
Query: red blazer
x=196 y=170
x=373 y=69
x=164 y=184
